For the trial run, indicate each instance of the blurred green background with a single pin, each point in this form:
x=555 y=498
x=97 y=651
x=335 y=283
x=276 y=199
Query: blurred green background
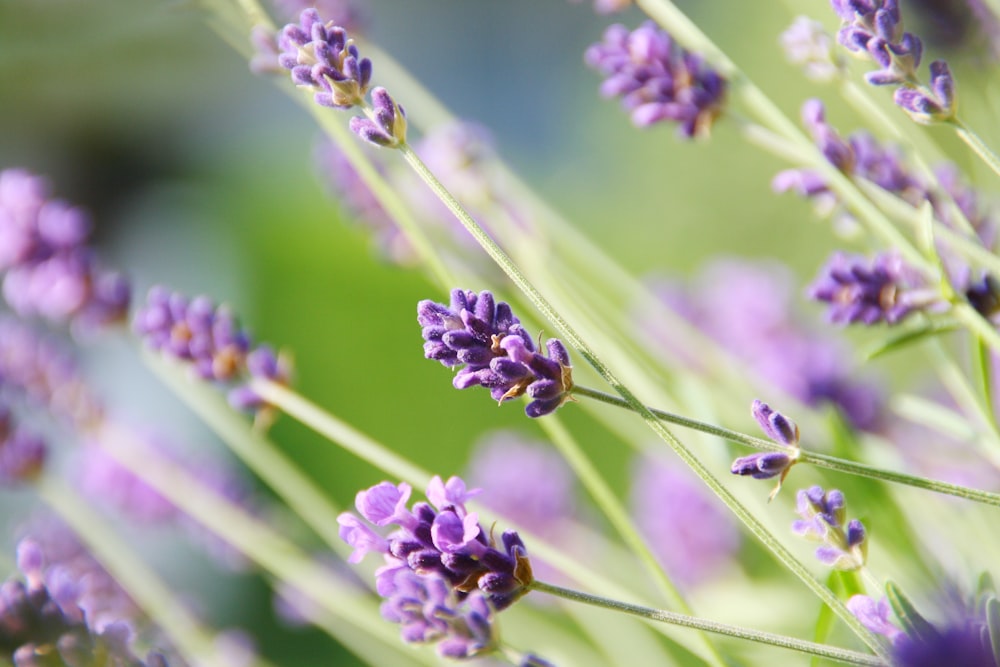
x=200 y=176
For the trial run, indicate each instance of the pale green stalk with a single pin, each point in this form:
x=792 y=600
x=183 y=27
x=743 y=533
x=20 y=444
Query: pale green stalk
x=297 y=489
x=577 y=343
x=143 y=585
x=819 y=460
x=662 y=616
x=978 y=146
x=269 y=550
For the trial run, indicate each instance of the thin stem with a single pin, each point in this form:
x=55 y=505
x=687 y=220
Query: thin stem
x=662 y=616
x=575 y=341
x=143 y=585
x=299 y=492
x=979 y=147
x=819 y=460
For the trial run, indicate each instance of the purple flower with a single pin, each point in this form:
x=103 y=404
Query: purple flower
x=689 y=531
x=823 y=514
x=448 y=543
x=958 y=644
x=348 y=14
x=657 y=79
x=209 y=339
x=885 y=291
x=49 y=270
x=873 y=29
x=387 y=125
x=875 y=616
x=765 y=465
x=323 y=59
x=485 y=337
x=808 y=45
x=934 y=103
x=429 y=611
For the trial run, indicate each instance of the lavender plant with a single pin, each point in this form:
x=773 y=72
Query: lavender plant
x=693 y=563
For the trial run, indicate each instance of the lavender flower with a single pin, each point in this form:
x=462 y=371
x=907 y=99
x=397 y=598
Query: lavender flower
x=875 y=616
x=933 y=103
x=884 y=292
x=387 y=125
x=873 y=29
x=441 y=539
x=823 y=514
x=808 y=45
x=429 y=611
x=959 y=644
x=496 y=351
x=348 y=14
x=691 y=534
x=324 y=60
x=657 y=79
x=22 y=453
x=765 y=465
x=209 y=338
x=49 y=270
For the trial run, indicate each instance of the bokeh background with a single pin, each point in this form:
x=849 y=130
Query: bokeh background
x=201 y=176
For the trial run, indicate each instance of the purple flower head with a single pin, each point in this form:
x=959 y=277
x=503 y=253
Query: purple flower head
x=884 y=291
x=323 y=59
x=448 y=543
x=387 y=125
x=873 y=29
x=775 y=425
x=959 y=644
x=823 y=514
x=209 y=339
x=808 y=45
x=452 y=493
x=50 y=271
x=766 y=465
x=934 y=103
x=496 y=351
x=429 y=611
x=876 y=617
x=689 y=531
x=657 y=79
x=348 y=14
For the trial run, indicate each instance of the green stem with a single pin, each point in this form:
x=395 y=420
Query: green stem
x=819 y=460
x=662 y=616
x=979 y=147
x=299 y=492
x=142 y=584
x=576 y=342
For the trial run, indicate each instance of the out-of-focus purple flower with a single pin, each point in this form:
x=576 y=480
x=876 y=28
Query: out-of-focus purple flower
x=497 y=353
x=429 y=611
x=387 y=126
x=766 y=465
x=747 y=309
x=884 y=291
x=657 y=79
x=323 y=59
x=348 y=14
x=49 y=270
x=823 y=514
x=689 y=531
x=447 y=543
x=22 y=453
x=808 y=45
x=875 y=616
x=959 y=644
x=210 y=339
x=934 y=103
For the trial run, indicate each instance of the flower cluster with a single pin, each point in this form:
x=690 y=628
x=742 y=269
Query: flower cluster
x=657 y=79
x=823 y=514
x=873 y=29
x=486 y=338
x=765 y=465
x=48 y=268
x=440 y=538
x=209 y=338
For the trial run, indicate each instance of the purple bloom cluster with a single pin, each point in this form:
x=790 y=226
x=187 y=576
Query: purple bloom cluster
x=22 y=453
x=439 y=539
x=208 y=337
x=657 y=79
x=429 y=611
x=386 y=126
x=886 y=290
x=747 y=309
x=349 y=14
x=497 y=353
x=823 y=514
x=45 y=620
x=765 y=465
x=873 y=29
x=323 y=59
x=48 y=268
x=876 y=617
x=691 y=533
